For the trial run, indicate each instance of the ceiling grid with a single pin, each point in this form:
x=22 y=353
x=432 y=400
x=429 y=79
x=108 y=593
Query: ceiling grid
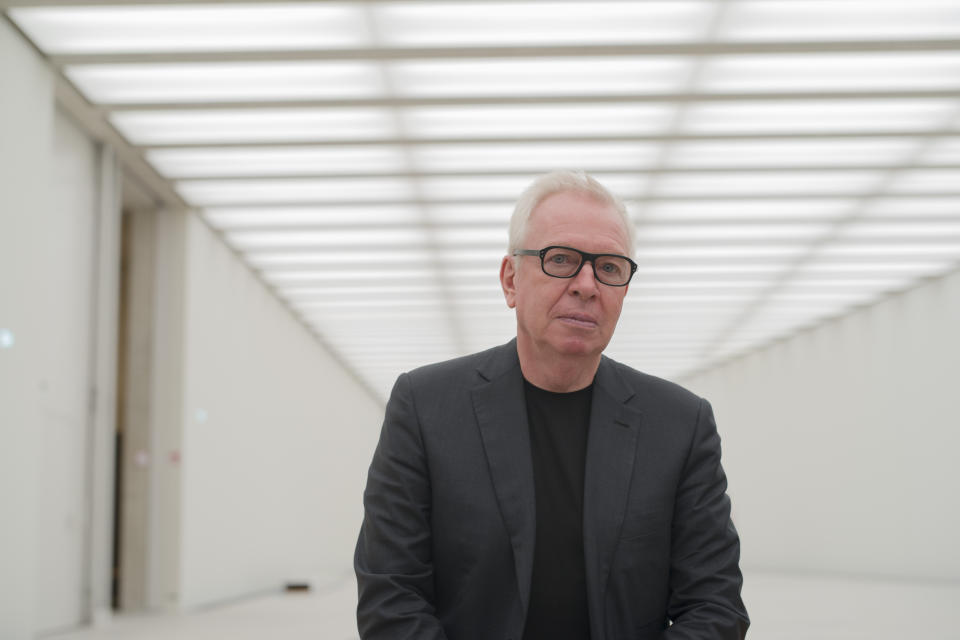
x=661 y=161
x=444 y=287
x=860 y=207
x=785 y=161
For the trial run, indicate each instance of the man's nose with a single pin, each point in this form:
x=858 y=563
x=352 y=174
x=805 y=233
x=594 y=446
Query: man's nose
x=585 y=282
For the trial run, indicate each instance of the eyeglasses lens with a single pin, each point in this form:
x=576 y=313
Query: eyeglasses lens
x=563 y=263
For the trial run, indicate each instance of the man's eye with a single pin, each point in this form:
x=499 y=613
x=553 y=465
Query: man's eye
x=559 y=259
x=610 y=267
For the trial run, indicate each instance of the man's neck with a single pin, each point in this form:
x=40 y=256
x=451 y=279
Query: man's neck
x=555 y=372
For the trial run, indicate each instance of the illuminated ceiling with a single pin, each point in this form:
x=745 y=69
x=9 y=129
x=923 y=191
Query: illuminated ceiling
x=784 y=161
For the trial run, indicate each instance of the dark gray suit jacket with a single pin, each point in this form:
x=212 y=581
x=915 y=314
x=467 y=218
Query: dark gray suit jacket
x=446 y=546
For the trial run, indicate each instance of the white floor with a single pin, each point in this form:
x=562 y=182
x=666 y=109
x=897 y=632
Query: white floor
x=781 y=608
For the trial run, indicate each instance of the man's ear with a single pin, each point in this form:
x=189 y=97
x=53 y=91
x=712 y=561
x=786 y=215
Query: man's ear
x=508 y=274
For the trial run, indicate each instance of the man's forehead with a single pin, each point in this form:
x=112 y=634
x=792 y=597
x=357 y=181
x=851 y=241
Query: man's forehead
x=575 y=209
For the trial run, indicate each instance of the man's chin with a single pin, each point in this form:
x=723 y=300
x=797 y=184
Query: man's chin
x=579 y=348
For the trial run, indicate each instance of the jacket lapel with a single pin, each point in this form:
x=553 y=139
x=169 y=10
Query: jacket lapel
x=611 y=451
x=502 y=418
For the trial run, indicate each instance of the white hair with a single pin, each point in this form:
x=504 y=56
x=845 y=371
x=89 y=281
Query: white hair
x=556 y=182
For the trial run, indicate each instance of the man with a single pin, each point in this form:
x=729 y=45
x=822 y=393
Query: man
x=539 y=490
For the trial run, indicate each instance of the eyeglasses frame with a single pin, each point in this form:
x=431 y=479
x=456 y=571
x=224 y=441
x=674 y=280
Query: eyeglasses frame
x=584 y=258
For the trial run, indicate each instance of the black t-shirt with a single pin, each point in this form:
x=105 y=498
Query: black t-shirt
x=558 y=441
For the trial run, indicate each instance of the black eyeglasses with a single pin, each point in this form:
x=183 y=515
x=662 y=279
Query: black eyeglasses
x=565 y=262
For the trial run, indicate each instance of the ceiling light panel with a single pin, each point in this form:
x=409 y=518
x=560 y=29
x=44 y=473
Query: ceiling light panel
x=487 y=238
x=252 y=125
x=477 y=292
x=494 y=214
x=326 y=277
x=384 y=291
x=535 y=157
x=277 y=261
x=275 y=161
x=385 y=294
x=293 y=190
x=938 y=232
x=535 y=120
x=791 y=153
x=320 y=277
x=727 y=209
x=679 y=328
x=923 y=180
x=371 y=332
x=842 y=298
x=820 y=302
x=673 y=272
x=789 y=311
x=651 y=343
x=374 y=344
x=462 y=24
x=731 y=233
x=911 y=207
x=468 y=274
x=228 y=82
x=646 y=289
x=944 y=150
x=369 y=214
x=508 y=188
x=537 y=77
x=372 y=335
x=374 y=305
x=818 y=116
x=486 y=289
x=211 y=27
x=406 y=274
x=669 y=312
x=474 y=257
x=795 y=184
x=827 y=261
x=474 y=187
x=809 y=280
x=353 y=321
x=863 y=253
x=903 y=71
x=374 y=238
x=855 y=287
x=650 y=251
x=491 y=301
x=850 y=20
x=733 y=298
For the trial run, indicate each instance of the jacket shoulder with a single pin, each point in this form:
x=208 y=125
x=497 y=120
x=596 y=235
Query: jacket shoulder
x=650 y=389
x=464 y=370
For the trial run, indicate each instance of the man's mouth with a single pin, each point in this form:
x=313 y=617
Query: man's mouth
x=579 y=320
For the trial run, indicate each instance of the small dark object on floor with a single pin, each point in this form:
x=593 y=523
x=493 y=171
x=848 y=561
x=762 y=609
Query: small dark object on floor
x=298 y=586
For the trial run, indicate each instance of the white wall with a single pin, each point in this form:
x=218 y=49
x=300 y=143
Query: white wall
x=50 y=181
x=277 y=437
x=63 y=308
x=271 y=481
x=841 y=442
x=26 y=116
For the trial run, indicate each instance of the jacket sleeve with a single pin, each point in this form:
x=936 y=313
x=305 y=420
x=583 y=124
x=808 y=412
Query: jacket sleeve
x=393 y=559
x=705 y=578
